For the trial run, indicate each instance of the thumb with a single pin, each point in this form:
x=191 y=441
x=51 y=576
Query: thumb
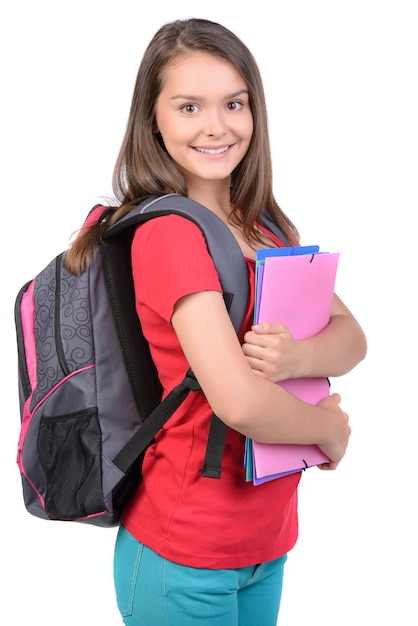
x=263 y=328
x=268 y=328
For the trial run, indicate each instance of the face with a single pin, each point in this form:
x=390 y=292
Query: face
x=204 y=117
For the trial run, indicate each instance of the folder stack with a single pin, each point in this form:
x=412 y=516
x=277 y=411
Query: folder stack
x=294 y=286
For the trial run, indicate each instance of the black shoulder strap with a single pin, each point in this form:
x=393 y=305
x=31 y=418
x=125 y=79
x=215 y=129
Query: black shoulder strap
x=232 y=270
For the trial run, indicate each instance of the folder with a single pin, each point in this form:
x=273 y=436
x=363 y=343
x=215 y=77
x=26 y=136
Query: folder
x=294 y=286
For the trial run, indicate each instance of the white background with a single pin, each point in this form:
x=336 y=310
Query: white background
x=341 y=85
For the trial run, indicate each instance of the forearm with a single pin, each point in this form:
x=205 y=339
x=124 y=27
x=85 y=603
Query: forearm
x=335 y=350
x=267 y=413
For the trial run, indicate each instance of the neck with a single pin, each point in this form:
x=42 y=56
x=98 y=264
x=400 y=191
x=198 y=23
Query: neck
x=217 y=200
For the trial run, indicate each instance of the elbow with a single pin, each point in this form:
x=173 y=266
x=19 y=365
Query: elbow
x=236 y=409
x=356 y=354
x=238 y=419
x=362 y=347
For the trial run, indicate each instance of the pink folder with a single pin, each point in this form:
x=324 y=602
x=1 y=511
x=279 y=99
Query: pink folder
x=296 y=291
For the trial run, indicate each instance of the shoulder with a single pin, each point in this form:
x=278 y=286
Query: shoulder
x=169 y=242
x=168 y=229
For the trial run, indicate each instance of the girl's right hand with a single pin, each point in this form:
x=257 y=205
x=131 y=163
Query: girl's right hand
x=337 y=446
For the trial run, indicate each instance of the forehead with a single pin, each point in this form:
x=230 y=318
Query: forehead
x=199 y=69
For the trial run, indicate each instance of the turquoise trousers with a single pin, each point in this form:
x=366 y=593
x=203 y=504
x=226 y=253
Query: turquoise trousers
x=152 y=591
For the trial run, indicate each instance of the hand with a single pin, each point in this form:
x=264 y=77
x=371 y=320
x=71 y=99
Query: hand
x=271 y=351
x=337 y=446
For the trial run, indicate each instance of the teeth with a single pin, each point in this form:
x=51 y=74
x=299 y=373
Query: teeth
x=212 y=151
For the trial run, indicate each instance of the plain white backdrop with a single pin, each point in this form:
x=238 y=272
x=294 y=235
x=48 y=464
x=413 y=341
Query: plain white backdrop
x=341 y=84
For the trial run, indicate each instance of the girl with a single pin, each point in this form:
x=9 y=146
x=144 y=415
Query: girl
x=190 y=548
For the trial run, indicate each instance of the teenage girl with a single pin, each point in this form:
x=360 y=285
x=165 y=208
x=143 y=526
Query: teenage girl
x=191 y=549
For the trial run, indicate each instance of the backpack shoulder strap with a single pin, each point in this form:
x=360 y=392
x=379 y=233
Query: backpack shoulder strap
x=222 y=245
x=233 y=275
x=232 y=270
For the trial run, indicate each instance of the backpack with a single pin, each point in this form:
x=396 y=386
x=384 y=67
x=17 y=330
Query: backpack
x=89 y=393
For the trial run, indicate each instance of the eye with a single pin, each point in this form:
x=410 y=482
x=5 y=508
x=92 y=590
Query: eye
x=189 y=108
x=234 y=105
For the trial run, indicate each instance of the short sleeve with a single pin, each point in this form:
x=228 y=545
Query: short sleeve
x=170 y=259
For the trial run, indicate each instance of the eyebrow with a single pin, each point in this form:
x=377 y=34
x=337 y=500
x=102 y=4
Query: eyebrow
x=181 y=96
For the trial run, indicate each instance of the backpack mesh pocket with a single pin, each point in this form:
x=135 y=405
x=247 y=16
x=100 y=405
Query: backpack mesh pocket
x=69 y=449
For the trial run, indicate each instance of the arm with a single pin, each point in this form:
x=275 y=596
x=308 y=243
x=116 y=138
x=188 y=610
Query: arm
x=248 y=403
x=272 y=352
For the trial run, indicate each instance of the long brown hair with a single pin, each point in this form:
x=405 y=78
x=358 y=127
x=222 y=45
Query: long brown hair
x=144 y=168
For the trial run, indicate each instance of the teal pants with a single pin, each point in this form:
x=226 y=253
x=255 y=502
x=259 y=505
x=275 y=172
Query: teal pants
x=152 y=591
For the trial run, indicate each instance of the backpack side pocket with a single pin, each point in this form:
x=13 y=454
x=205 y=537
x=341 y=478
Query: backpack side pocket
x=69 y=449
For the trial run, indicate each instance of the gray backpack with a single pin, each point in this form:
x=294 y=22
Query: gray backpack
x=90 y=397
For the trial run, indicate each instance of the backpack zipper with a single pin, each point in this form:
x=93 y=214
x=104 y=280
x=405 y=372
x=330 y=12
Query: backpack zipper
x=57 y=318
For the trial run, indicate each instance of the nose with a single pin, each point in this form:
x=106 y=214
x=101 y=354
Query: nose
x=215 y=124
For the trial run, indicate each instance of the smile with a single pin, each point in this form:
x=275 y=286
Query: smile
x=212 y=150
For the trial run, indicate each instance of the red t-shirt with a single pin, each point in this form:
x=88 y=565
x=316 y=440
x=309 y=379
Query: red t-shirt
x=188 y=519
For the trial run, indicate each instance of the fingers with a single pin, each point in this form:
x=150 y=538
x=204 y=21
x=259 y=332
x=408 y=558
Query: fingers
x=328 y=467
x=330 y=401
x=268 y=328
x=267 y=335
